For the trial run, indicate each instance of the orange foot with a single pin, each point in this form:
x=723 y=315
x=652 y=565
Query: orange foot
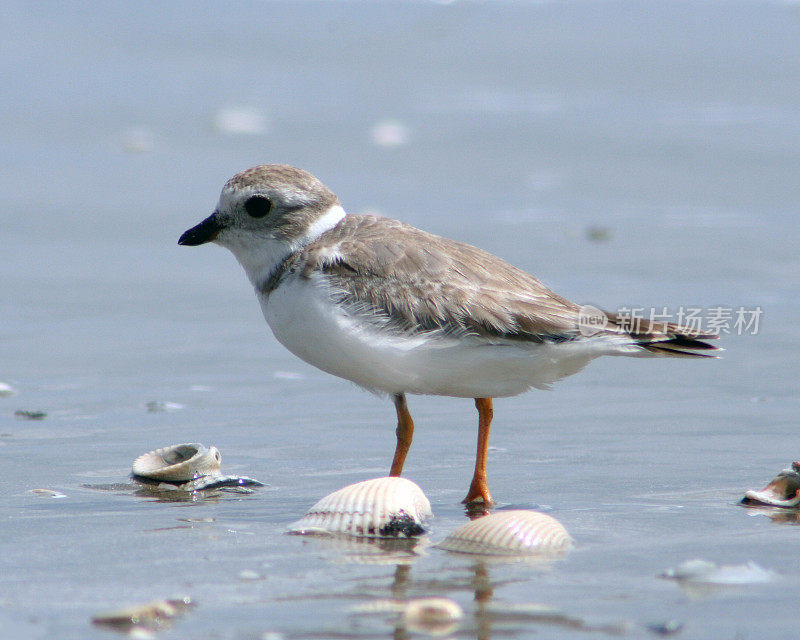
x=479 y=493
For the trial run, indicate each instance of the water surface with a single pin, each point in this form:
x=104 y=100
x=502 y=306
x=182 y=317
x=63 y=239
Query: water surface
x=629 y=154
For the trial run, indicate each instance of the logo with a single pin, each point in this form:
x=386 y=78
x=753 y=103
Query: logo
x=591 y=320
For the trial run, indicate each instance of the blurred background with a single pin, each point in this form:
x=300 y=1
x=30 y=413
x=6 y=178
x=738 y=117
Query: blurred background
x=630 y=154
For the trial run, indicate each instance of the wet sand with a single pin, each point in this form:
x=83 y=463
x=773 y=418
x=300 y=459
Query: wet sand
x=633 y=156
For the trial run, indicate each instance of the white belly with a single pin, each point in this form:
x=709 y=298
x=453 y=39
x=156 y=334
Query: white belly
x=306 y=322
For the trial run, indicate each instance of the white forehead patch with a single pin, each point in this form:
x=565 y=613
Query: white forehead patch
x=231 y=195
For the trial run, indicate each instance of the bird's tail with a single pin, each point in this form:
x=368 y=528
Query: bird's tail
x=666 y=338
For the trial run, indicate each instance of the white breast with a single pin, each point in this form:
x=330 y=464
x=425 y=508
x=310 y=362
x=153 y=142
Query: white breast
x=305 y=320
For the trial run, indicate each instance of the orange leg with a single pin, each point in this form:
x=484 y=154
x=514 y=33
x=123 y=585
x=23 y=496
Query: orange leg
x=405 y=433
x=479 y=489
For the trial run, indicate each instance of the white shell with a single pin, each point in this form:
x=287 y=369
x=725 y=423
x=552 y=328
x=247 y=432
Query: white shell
x=509 y=533
x=6 y=390
x=178 y=463
x=380 y=508
x=432 y=616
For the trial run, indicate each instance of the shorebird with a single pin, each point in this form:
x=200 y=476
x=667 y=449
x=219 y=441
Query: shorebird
x=401 y=311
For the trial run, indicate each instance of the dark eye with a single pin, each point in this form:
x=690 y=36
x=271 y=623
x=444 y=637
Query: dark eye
x=258 y=206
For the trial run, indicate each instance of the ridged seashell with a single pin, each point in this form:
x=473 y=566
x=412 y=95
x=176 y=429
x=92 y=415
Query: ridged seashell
x=380 y=508
x=509 y=533
x=178 y=463
x=783 y=491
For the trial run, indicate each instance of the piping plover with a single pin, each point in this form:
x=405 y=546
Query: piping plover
x=398 y=310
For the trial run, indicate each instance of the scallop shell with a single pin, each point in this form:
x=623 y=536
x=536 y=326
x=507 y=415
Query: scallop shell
x=783 y=491
x=178 y=463
x=509 y=533
x=380 y=508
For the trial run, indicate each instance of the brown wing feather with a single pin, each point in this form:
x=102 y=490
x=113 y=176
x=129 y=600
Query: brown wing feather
x=422 y=282
x=419 y=280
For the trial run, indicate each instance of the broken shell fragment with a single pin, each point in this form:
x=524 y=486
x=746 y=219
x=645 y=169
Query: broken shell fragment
x=153 y=616
x=219 y=481
x=507 y=533
x=178 y=463
x=380 y=508
x=50 y=493
x=783 y=491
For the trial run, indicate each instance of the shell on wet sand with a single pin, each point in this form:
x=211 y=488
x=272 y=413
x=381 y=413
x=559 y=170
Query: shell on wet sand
x=388 y=507
x=178 y=463
x=153 y=616
x=509 y=533
x=783 y=491
x=432 y=616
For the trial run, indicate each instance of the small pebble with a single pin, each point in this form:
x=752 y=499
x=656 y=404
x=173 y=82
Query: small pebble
x=597 y=233
x=157 y=406
x=249 y=574
x=666 y=628
x=30 y=415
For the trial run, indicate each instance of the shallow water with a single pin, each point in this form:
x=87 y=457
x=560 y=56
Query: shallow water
x=628 y=154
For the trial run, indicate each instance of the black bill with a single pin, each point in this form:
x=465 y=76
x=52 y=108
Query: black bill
x=204 y=232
